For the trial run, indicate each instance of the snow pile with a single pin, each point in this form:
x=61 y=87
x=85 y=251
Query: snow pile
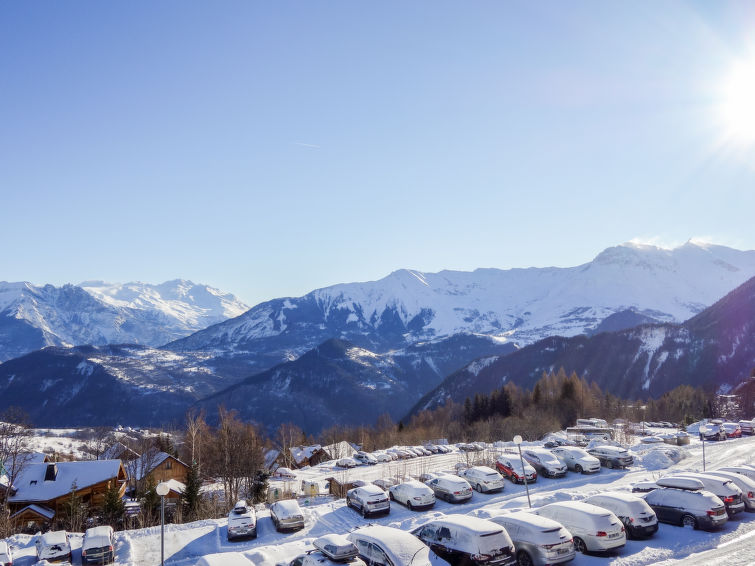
x=661 y=457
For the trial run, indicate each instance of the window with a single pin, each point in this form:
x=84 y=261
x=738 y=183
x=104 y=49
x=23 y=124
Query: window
x=168 y=465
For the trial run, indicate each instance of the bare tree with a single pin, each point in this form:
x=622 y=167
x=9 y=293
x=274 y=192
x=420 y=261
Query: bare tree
x=196 y=428
x=14 y=456
x=287 y=436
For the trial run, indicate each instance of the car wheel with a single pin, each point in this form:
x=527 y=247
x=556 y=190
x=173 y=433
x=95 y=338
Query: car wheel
x=364 y=511
x=689 y=522
x=479 y=488
x=390 y=496
x=580 y=545
x=524 y=559
x=609 y=464
x=348 y=502
x=578 y=469
x=409 y=505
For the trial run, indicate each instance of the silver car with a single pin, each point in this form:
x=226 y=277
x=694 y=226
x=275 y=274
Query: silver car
x=538 y=540
x=287 y=515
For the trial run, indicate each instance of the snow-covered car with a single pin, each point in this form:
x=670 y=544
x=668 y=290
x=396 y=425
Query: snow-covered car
x=594 y=529
x=723 y=488
x=450 y=488
x=742 y=482
x=242 y=521
x=693 y=508
x=577 y=459
x=733 y=430
x=747 y=427
x=6 y=555
x=742 y=470
x=712 y=432
x=330 y=550
x=368 y=500
x=384 y=457
x=461 y=539
x=287 y=515
x=637 y=516
x=53 y=546
x=384 y=483
x=444 y=448
x=432 y=448
x=510 y=466
x=98 y=545
x=365 y=458
x=413 y=494
x=539 y=541
x=387 y=546
x=347 y=463
x=544 y=462
x=483 y=479
x=612 y=456
x=284 y=473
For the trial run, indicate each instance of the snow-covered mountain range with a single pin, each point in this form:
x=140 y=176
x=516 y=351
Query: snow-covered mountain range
x=94 y=312
x=520 y=305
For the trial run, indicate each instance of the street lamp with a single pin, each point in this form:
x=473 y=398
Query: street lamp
x=518 y=442
x=162 y=490
x=703 y=430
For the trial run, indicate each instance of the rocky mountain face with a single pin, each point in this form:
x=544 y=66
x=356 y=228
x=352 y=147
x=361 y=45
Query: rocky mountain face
x=96 y=313
x=714 y=349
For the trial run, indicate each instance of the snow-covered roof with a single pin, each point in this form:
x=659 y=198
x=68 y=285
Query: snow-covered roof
x=38 y=509
x=270 y=457
x=31 y=484
x=176 y=486
x=148 y=461
x=302 y=453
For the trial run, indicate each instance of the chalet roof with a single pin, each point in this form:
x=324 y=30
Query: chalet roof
x=148 y=461
x=40 y=510
x=270 y=457
x=31 y=485
x=119 y=451
x=302 y=453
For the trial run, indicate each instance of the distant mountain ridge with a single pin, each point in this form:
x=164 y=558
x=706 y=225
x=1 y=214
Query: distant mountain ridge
x=33 y=317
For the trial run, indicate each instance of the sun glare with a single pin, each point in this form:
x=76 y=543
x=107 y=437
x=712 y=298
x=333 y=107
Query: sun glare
x=738 y=104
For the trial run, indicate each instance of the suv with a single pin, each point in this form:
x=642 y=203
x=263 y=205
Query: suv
x=483 y=479
x=510 y=466
x=538 y=540
x=330 y=550
x=98 y=546
x=451 y=488
x=687 y=507
x=413 y=494
x=612 y=456
x=368 y=500
x=242 y=521
x=53 y=546
x=723 y=488
x=713 y=432
x=461 y=539
x=365 y=458
x=638 y=518
x=594 y=529
x=545 y=463
x=577 y=459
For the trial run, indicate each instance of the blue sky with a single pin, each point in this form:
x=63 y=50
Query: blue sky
x=270 y=148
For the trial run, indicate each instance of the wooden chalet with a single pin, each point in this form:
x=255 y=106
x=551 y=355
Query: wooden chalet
x=156 y=467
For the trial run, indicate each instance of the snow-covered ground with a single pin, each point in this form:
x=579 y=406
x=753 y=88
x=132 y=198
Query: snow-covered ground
x=186 y=544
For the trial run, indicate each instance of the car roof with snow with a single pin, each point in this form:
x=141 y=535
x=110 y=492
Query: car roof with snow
x=288 y=506
x=370 y=489
x=404 y=546
x=527 y=519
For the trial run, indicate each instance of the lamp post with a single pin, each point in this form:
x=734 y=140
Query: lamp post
x=162 y=490
x=518 y=442
x=703 y=430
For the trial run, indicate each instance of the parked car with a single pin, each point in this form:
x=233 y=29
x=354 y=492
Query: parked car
x=577 y=459
x=725 y=489
x=287 y=515
x=612 y=456
x=329 y=550
x=539 y=541
x=450 y=488
x=413 y=494
x=544 y=462
x=747 y=427
x=510 y=467
x=713 y=432
x=387 y=546
x=6 y=555
x=693 y=508
x=637 y=516
x=365 y=458
x=368 y=500
x=742 y=470
x=53 y=546
x=733 y=430
x=242 y=521
x=742 y=482
x=347 y=463
x=483 y=479
x=98 y=546
x=284 y=473
x=464 y=540
x=385 y=483
x=644 y=486
x=594 y=529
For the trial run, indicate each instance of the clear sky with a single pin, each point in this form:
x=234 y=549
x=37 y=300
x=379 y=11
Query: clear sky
x=270 y=148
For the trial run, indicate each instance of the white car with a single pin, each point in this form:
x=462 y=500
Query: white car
x=330 y=550
x=386 y=546
x=98 y=546
x=287 y=515
x=742 y=470
x=347 y=463
x=538 y=540
x=450 y=488
x=6 y=556
x=413 y=494
x=284 y=473
x=742 y=482
x=461 y=539
x=577 y=459
x=544 y=462
x=53 y=546
x=594 y=529
x=483 y=479
x=637 y=516
x=242 y=521
x=368 y=500
x=365 y=458
x=383 y=457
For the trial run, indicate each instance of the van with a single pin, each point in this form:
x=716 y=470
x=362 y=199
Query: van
x=242 y=521
x=594 y=529
x=637 y=516
x=98 y=546
x=461 y=539
x=538 y=540
x=53 y=546
x=723 y=488
x=692 y=508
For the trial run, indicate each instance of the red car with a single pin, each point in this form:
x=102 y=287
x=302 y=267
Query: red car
x=511 y=467
x=733 y=430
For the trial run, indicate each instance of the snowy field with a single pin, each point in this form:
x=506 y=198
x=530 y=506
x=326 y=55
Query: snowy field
x=186 y=544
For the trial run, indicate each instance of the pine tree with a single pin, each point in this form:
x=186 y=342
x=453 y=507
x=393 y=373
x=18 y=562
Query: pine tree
x=113 y=507
x=191 y=497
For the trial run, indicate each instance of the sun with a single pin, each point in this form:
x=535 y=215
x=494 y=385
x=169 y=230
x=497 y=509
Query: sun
x=738 y=104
